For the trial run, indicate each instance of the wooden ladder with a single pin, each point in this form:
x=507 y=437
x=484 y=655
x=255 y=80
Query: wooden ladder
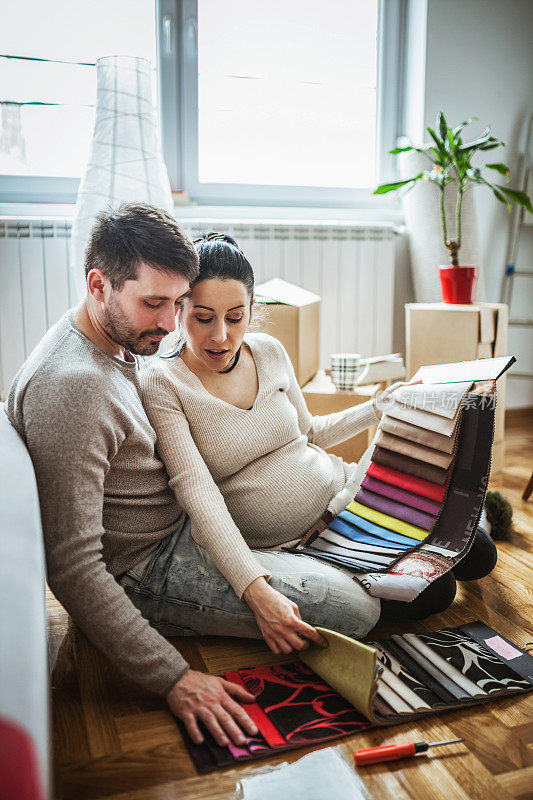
x=518 y=221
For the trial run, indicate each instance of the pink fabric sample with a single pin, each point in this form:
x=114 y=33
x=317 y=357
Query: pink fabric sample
x=401 y=496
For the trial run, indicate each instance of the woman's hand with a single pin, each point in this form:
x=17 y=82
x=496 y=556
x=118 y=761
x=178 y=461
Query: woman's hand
x=279 y=619
x=385 y=398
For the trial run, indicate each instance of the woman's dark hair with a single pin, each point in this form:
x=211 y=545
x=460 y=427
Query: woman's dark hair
x=220 y=257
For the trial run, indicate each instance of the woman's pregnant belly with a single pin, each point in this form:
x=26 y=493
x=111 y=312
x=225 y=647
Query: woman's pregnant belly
x=279 y=496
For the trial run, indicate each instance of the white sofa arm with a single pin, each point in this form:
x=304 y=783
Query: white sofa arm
x=23 y=650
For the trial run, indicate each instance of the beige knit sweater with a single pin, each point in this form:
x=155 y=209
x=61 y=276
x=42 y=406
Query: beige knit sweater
x=249 y=478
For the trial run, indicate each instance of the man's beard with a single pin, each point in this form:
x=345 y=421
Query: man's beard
x=117 y=325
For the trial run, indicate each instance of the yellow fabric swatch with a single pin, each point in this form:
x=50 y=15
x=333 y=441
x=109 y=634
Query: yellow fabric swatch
x=386 y=521
x=350 y=667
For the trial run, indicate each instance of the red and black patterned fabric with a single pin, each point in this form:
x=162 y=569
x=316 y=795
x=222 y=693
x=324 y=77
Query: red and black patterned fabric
x=294 y=707
x=300 y=704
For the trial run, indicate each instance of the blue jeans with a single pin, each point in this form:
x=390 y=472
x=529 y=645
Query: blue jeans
x=181 y=592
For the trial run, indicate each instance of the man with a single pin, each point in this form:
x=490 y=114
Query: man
x=105 y=501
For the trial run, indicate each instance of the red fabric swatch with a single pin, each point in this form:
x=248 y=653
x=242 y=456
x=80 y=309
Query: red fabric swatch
x=409 y=482
x=256 y=713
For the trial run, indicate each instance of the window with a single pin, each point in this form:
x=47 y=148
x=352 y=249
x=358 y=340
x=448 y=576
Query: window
x=48 y=79
x=285 y=102
x=281 y=102
x=287 y=96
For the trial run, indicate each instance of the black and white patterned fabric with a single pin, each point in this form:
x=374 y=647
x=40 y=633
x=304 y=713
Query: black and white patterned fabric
x=484 y=668
x=420 y=689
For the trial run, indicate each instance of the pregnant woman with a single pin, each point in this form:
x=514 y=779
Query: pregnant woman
x=246 y=461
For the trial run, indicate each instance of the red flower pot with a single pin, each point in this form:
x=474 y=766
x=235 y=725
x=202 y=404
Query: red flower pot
x=458 y=283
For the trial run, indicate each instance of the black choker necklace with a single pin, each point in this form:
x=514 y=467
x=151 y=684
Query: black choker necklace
x=235 y=362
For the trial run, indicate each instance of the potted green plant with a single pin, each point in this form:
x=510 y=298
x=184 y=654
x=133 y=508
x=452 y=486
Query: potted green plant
x=450 y=162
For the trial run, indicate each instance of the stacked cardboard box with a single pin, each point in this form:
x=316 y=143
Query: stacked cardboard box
x=440 y=333
x=291 y=314
x=322 y=397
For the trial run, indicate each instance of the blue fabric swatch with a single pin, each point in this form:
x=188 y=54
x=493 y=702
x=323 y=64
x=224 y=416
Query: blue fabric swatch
x=355 y=526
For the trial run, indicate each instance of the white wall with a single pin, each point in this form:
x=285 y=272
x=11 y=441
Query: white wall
x=479 y=62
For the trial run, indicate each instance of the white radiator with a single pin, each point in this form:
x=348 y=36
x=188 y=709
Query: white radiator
x=350 y=266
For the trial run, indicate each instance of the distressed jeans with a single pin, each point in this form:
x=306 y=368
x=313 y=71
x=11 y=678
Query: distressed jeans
x=181 y=592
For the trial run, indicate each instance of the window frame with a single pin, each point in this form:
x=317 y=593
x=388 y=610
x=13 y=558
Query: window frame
x=59 y=190
x=38 y=189
x=180 y=125
x=177 y=107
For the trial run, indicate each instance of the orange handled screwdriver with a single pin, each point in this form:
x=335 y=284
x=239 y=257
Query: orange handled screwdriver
x=391 y=752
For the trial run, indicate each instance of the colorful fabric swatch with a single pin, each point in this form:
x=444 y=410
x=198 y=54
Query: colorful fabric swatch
x=238 y=753
x=351 y=562
x=455 y=527
x=435 y=398
x=442 y=504
x=301 y=705
x=394 y=509
x=357 y=534
x=437 y=441
x=401 y=496
x=423 y=419
x=413 y=450
x=411 y=466
x=266 y=728
x=460 y=513
x=387 y=521
x=375 y=530
x=346 y=552
x=410 y=483
x=332 y=538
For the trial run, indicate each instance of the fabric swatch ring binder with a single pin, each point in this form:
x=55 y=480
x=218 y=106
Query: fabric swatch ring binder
x=351 y=686
x=421 y=486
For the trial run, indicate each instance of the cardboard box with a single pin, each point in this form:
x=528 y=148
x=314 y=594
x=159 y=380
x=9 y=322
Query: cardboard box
x=440 y=333
x=322 y=397
x=291 y=314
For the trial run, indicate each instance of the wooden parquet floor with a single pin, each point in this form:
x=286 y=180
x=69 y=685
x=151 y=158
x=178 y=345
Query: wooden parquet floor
x=113 y=740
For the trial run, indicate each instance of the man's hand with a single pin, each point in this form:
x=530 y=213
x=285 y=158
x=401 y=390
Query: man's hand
x=279 y=619
x=209 y=699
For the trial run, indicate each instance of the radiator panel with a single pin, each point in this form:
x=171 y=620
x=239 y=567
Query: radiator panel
x=350 y=266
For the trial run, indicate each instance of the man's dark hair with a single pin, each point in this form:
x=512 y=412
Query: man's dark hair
x=120 y=239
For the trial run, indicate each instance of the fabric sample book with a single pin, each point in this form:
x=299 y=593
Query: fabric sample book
x=426 y=511
x=350 y=686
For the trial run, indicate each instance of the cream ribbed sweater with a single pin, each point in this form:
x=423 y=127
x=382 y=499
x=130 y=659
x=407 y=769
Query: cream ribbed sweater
x=249 y=478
